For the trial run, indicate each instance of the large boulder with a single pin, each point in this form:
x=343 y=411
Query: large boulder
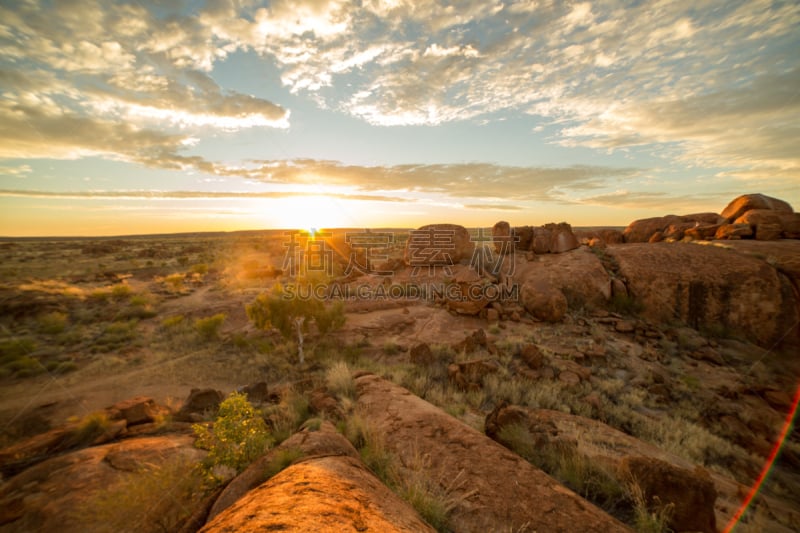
x=672 y=227
x=524 y=237
x=746 y=202
x=199 y=403
x=690 y=493
x=710 y=287
x=471 y=296
x=540 y=244
x=561 y=238
x=770 y=225
x=542 y=300
x=491 y=488
x=438 y=245
x=578 y=274
x=329 y=491
x=75 y=492
x=641 y=230
x=304 y=445
x=501 y=236
x=554 y=431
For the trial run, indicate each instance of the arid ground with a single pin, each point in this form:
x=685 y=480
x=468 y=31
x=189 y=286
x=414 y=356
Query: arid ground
x=671 y=363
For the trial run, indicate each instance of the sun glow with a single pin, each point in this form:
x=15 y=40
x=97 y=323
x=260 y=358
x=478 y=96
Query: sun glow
x=308 y=212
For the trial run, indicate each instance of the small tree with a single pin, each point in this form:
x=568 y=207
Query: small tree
x=292 y=315
x=238 y=437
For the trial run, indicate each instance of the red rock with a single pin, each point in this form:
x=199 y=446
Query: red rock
x=421 y=354
x=656 y=237
x=323 y=494
x=543 y=301
x=532 y=356
x=729 y=231
x=500 y=490
x=541 y=241
x=578 y=273
x=768 y=232
x=746 y=202
x=561 y=238
x=692 y=493
x=571 y=379
x=470 y=298
x=501 y=236
x=641 y=230
x=702 y=233
x=138 y=410
x=438 y=245
x=707 y=286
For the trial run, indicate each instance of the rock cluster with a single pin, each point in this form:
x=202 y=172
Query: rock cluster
x=548 y=239
x=750 y=216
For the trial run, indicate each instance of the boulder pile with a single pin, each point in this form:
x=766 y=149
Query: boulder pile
x=750 y=216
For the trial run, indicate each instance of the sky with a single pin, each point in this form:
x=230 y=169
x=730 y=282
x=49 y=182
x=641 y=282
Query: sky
x=170 y=116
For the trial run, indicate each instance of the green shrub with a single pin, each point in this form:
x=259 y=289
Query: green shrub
x=13 y=348
x=200 y=268
x=174 y=282
x=121 y=292
x=88 y=429
x=172 y=322
x=53 y=323
x=238 y=436
x=116 y=335
x=626 y=305
x=208 y=328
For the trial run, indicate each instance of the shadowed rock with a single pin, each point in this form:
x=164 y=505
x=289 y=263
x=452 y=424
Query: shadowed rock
x=707 y=286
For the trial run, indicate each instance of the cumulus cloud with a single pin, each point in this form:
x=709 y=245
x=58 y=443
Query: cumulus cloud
x=706 y=85
x=88 y=78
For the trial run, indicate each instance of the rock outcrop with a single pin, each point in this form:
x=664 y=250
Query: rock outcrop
x=64 y=494
x=742 y=204
x=709 y=287
x=492 y=488
x=438 y=245
x=542 y=300
x=327 y=490
x=578 y=274
x=548 y=239
x=690 y=493
x=749 y=216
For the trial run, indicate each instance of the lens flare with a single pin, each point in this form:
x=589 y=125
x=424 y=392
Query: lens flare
x=762 y=476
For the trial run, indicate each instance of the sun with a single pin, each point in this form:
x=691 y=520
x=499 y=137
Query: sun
x=309 y=213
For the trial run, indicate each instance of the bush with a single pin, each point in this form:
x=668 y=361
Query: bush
x=340 y=380
x=238 y=436
x=172 y=322
x=208 y=328
x=53 y=323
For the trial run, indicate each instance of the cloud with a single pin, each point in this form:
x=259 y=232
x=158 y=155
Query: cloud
x=701 y=84
x=135 y=76
x=466 y=180
x=490 y=207
x=181 y=195
x=18 y=171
